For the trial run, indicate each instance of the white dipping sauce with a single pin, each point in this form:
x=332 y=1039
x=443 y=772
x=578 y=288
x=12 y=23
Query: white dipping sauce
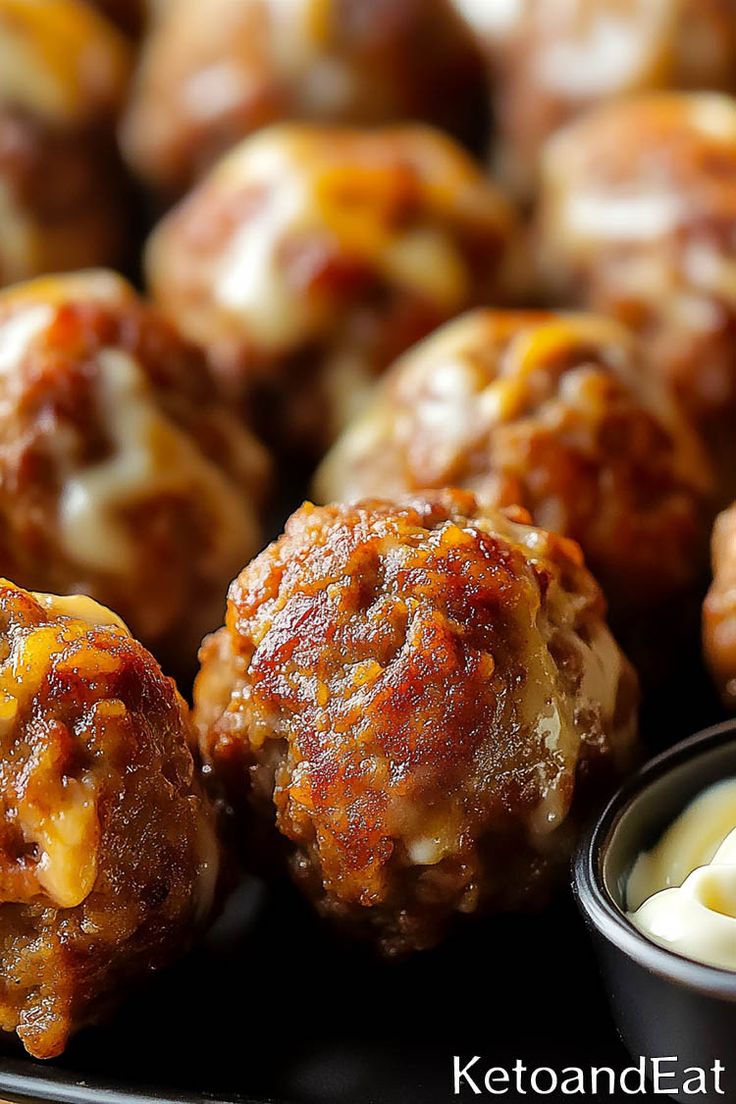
x=682 y=893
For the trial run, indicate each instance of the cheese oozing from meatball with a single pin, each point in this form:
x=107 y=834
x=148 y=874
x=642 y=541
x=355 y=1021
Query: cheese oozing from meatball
x=62 y=825
x=60 y=60
x=150 y=455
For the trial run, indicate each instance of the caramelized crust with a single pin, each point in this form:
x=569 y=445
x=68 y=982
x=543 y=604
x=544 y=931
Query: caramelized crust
x=638 y=215
x=108 y=854
x=311 y=257
x=211 y=74
x=552 y=60
x=418 y=693
x=63 y=74
x=554 y=413
x=719 y=609
x=121 y=474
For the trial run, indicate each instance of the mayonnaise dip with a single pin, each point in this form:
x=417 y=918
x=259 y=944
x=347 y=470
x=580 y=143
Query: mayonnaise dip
x=682 y=893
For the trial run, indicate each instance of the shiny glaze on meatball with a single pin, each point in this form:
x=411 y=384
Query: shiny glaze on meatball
x=418 y=693
x=638 y=216
x=213 y=73
x=122 y=475
x=558 y=414
x=311 y=257
x=108 y=852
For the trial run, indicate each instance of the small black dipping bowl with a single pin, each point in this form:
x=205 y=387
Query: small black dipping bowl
x=664 y=1005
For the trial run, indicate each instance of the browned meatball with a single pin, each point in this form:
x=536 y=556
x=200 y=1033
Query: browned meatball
x=638 y=218
x=108 y=853
x=122 y=475
x=554 y=413
x=419 y=693
x=552 y=59
x=213 y=73
x=311 y=257
x=719 y=610
x=63 y=72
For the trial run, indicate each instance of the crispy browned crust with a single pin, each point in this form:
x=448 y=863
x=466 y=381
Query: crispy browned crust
x=719 y=608
x=177 y=481
x=417 y=691
x=108 y=856
x=554 y=413
x=364 y=242
x=345 y=61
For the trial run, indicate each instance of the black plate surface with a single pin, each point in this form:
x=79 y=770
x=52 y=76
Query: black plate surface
x=281 y=1014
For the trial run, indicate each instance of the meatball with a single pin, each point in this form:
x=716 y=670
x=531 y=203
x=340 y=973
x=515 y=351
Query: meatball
x=638 y=218
x=719 y=609
x=554 y=413
x=122 y=475
x=420 y=694
x=311 y=257
x=62 y=78
x=213 y=73
x=108 y=851
x=551 y=60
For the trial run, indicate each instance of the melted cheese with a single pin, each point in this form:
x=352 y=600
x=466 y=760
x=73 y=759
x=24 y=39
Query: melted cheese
x=150 y=457
x=492 y=18
x=59 y=59
x=62 y=823
x=311 y=191
x=81 y=608
x=18 y=334
x=595 y=52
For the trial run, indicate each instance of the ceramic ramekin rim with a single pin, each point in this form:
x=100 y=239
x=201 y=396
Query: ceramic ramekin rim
x=596 y=903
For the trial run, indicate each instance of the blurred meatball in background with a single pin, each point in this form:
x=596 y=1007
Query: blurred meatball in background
x=549 y=60
x=108 y=852
x=558 y=414
x=122 y=476
x=310 y=257
x=719 y=610
x=638 y=218
x=212 y=73
x=420 y=694
x=63 y=76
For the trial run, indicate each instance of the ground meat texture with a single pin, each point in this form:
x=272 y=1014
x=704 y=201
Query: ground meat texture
x=122 y=474
x=550 y=61
x=719 y=609
x=638 y=216
x=558 y=414
x=62 y=193
x=211 y=74
x=108 y=853
x=418 y=693
x=311 y=257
